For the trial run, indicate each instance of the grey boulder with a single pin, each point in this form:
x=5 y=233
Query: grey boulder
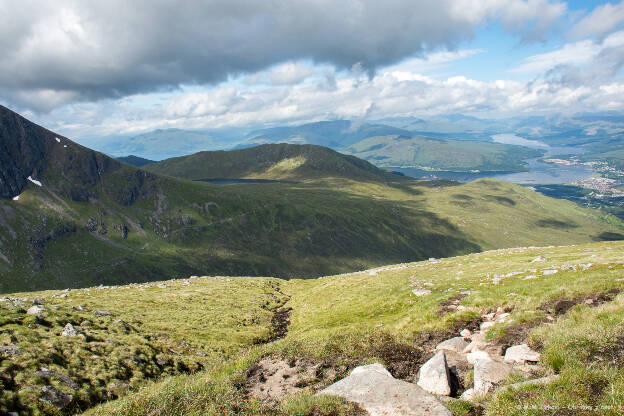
x=374 y=389
x=488 y=375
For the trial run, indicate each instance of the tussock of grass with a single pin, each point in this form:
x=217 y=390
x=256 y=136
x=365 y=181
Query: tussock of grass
x=586 y=349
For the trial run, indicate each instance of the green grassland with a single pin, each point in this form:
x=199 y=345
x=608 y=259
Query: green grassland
x=208 y=331
x=96 y=220
x=442 y=154
x=317 y=227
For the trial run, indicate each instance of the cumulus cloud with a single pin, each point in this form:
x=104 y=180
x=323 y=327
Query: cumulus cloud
x=585 y=62
x=347 y=95
x=73 y=50
x=282 y=74
x=390 y=94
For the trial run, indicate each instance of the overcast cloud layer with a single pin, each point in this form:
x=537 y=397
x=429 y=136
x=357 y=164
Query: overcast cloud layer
x=55 y=52
x=97 y=67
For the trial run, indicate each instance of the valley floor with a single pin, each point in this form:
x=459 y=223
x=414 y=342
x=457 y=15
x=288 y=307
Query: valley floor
x=213 y=345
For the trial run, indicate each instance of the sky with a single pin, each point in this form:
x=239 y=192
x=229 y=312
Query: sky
x=90 y=68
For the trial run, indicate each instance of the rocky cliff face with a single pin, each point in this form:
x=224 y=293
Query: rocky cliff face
x=23 y=147
x=75 y=172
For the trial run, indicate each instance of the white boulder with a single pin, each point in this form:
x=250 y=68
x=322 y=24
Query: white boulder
x=35 y=310
x=434 y=375
x=521 y=354
x=69 y=331
x=457 y=344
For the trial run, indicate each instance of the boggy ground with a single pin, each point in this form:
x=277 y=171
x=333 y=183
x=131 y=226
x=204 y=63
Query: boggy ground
x=231 y=326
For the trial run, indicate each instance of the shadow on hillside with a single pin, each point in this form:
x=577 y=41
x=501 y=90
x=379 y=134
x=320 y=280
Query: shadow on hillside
x=501 y=200
x=607 y=236
x=313 y=231
x=553 y=223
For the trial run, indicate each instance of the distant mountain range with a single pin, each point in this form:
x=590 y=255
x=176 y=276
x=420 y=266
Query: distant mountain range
x=165 y=143
x=447 y=142
x=74 y=217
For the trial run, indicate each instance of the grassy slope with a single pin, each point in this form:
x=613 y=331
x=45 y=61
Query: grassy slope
x=345 y=318
x=271 y=161
x=96 y=220
x=442 y=154
x=308 y=229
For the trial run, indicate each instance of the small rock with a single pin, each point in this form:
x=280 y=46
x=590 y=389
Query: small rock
x=478 y=340
x=549 y=272
x=421 y=292
x=35 y=310
x=47 y=374
x=538 y=259
x=10 y=350
x=521 y=354
x=466 y=333
x=488 y=374
x=502 y=317
x=467 y=395
x=69 y=331
x=476 y=355
x=38 y=301
x=52 y=396
x=589 y=301
x=117 y=389
x=101 y=313
x=434 y=375
x=457 y=344
x=535 y=381
x=162 y=361
x=486 y=325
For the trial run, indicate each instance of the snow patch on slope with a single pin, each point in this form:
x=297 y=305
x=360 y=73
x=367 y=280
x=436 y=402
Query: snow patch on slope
x=36 y=182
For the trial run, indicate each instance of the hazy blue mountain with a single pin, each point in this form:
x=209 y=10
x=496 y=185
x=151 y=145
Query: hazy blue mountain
x=165 y=143
x=134 y=160
x=338 y=134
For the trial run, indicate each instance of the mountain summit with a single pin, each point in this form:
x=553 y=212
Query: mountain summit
x=272 y=161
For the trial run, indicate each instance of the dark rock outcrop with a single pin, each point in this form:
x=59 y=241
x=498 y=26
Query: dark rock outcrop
x=63 y=166
x=23 y=146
